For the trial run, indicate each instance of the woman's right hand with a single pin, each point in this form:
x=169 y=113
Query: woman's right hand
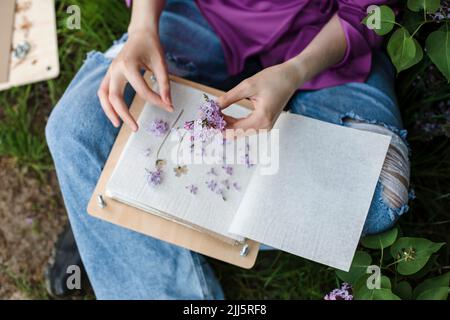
x=142 y=51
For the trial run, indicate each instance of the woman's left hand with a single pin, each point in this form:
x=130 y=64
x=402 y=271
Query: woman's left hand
x=269 y=91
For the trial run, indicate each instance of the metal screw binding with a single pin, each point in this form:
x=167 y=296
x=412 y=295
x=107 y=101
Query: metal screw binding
x=244 y=251
x=100 y=202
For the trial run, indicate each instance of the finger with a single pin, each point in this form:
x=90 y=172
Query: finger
x=232 y=96
x=249 y=125
x=116 y=89
x=141 y=87
x=229 y=119
x=160 y=70
x=103 y=93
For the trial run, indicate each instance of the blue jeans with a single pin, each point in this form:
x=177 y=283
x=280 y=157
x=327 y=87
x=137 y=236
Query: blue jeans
x=123 y=264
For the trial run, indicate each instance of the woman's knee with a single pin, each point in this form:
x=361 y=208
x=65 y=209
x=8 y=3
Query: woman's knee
x=79 y=108
x=392 y=193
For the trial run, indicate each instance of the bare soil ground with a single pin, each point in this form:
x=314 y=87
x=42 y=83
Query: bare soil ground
x=31 y=216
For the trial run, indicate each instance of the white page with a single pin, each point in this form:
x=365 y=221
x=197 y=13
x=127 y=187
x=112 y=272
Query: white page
x=316 y=205
x=128 y=182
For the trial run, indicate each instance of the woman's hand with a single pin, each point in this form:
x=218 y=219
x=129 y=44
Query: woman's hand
x=142 y=50
x=269 y=90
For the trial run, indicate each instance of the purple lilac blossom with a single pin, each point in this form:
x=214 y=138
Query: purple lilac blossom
x=343 y=293
x=147 y=152
x=158 y=127
x=192 y=189
x=236 y=186
x=209 y=123
x=228 y=169
x=155 y=177
x=226 y=183
x=212 y=185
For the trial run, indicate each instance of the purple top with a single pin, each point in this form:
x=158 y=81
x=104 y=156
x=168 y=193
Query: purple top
x=277 y=30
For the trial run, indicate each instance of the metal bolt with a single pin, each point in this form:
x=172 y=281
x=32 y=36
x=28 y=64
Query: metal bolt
x=22 y=50
x=244 y=251
x=100 y=202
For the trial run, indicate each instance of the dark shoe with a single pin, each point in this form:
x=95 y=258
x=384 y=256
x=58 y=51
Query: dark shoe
x=66 y=263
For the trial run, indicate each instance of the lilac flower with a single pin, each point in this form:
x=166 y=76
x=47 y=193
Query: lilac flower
x=236 y=186
x=209 y=123
x=192 y=189
x=212 y=172
x=443 y=13
x=147 y=152
x=226 y=183
x=344 y=293
x=158 y=127
x=212 y=185
x=128 y=3
x=221 y=193
x=155 y=177
x=228 y=169
x=210 y=112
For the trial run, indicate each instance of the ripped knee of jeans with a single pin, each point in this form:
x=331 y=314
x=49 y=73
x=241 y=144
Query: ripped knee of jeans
x=395 y=174
x=180 y=66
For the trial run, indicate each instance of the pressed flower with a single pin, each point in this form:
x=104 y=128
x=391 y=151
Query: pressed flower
x=155 y=178
x=192 y=188
x=160 y=163
x=158 y=127
x=226 y=183
x=147 y=152
x=179 y=170
x=209 y=123
x=212 y=172
x=228 y=169
x=221 y=193
x=211 y=184
x=343 y=293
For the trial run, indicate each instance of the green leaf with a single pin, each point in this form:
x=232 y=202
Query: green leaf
x=413 y=253
x=440 y=293
x=386 y=18
x=404 y=290
x=438 y=49
x=380 y=241
x=404 y=50
x=433 y=283
x=429 y=6
x=360 y=262
x=362 y=292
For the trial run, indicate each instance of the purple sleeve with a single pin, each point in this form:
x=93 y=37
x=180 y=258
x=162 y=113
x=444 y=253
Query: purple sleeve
x=357 y=62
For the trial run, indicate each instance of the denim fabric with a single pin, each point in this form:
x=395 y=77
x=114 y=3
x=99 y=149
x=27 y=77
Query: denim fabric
x=123 y=264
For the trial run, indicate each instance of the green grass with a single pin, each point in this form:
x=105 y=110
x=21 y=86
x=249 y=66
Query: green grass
x=276 y=275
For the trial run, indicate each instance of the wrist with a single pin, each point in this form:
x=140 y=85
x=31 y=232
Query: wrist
x=297 y=71
x=148 y=29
